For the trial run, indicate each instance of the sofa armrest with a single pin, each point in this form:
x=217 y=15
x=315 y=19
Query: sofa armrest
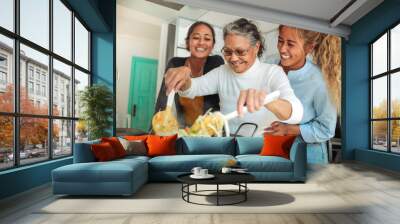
x=298 y=155
x=83 y=152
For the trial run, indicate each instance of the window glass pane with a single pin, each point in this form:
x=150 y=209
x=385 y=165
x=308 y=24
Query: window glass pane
x=62 y=29
x=81 y=81
x=62 y=89
x=395 y=94
x=182 y=28
x=379 y=56
x=6 y=142
x=81 y=45
x=395 y=136
x=379 y=135
x=7 y=14
x=62 y=138
x=34 y=72
x=81 y=131
x=379 y=97
x=35 y=21
x=6 y=74
x=33 y=139
x=395 y=47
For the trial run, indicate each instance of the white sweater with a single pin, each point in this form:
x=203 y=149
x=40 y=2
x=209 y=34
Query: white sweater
x=224 y=81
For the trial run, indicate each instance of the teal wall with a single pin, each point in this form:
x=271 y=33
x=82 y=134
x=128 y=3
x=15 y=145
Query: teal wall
x=103 y=64
x=100 y=17
x=104 y=53
x=380 y=159
x=92 y=13
x=356 y=85
x=24 y=178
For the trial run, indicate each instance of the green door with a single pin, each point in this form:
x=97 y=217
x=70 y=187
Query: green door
x=142 y=92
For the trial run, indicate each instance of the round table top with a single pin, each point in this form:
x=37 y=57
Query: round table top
x=220 y=178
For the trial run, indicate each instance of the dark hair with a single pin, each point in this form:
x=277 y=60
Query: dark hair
x=193 y=26
x=248 y=29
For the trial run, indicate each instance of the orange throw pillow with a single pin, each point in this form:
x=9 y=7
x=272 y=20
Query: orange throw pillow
x=116 y=145
x=161 y=145
x=277 y=145
x=103 y=152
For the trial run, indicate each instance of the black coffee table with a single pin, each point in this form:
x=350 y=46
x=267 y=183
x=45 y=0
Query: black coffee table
x=238 y=179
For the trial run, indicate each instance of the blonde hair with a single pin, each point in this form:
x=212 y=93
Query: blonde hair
x=327 y=55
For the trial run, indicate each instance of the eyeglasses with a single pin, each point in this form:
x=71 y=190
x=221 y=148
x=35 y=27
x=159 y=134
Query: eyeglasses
x=238 y=52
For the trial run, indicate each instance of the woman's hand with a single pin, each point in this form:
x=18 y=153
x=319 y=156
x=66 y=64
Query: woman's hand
x=254 y=100
x=177 y=79
x=279 y=128
x=251 y=98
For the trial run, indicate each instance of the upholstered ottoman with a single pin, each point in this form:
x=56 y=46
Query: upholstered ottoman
x=119 y=177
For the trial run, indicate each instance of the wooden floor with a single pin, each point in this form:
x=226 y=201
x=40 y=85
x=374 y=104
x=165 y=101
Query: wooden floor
x=377 y=188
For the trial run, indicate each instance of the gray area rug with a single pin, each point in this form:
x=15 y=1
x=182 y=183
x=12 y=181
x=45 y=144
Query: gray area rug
x=166 y=198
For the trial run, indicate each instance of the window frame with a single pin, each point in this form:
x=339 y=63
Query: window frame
x=16 y=114
x=5 y=58
x=3 y=70
x=388 y=74
x=3 y=74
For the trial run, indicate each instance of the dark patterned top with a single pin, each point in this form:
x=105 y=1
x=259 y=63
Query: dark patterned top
x=210 y=101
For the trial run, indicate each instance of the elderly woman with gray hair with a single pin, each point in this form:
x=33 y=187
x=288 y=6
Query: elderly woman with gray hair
x=243 y=81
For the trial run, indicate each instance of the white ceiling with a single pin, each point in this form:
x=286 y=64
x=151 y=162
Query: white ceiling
x=155 y=14
x=320 y=9
x=315 y=15
x=221 y=19
x=157 y=11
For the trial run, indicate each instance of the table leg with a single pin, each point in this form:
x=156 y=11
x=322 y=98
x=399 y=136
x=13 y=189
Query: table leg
x=217 y=194
x=188 y=189
x=245 y=191
x=182 y=190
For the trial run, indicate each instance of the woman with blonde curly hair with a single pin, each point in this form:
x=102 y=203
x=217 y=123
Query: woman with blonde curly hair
x=316 y=82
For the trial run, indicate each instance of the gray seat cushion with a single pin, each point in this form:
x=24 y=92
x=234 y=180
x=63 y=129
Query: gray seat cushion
x=257 y=163
x=184 y=163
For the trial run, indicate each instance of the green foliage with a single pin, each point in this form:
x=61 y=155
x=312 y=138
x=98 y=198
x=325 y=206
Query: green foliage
x=380 y=127
x=97 y=103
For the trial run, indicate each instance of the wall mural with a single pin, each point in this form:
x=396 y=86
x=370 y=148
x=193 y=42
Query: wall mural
x=217 y=69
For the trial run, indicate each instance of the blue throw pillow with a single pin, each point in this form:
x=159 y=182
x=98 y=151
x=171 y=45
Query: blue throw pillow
x=83 y=152
x=249 y=145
